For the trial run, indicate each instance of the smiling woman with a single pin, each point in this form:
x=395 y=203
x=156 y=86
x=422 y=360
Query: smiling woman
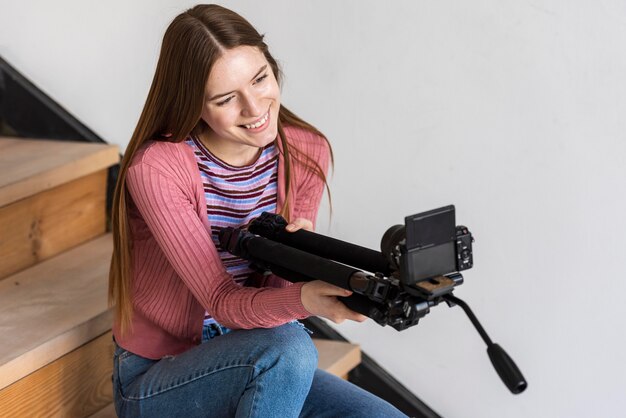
x=198 y=333
x=245 y=119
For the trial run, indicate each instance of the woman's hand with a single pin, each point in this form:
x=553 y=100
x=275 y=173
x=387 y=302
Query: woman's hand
x=300 y=223
x=320 y=299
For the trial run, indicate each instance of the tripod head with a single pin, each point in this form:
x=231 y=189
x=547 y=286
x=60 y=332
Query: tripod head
x=418 y=268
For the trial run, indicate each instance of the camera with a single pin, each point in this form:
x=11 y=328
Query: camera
x=429 y=245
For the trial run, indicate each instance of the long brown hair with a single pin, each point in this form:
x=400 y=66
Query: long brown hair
x=192 y=43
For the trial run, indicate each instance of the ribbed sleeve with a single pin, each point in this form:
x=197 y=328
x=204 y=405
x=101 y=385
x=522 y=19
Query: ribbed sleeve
x=186 y=244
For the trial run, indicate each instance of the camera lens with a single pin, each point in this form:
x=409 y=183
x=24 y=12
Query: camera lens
x=390 y=241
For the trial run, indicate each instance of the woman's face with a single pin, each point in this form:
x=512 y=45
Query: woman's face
x=242 y=99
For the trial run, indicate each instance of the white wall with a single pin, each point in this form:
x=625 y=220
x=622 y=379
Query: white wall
x=512 y=111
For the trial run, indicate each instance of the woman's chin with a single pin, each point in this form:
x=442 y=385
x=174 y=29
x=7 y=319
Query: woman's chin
x=266 y=138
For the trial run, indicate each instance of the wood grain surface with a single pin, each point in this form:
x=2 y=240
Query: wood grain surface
x=46 y=224
x=53 y=307
x=28 y=167
x=76 y=385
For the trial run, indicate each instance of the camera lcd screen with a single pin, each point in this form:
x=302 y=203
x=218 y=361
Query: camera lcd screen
x=430 y=245
x=430 y=228
x=430 y=262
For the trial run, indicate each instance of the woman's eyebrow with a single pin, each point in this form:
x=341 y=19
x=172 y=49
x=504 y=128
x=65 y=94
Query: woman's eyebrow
x=230 y=92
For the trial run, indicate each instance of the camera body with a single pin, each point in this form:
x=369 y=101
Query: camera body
x=429 y=245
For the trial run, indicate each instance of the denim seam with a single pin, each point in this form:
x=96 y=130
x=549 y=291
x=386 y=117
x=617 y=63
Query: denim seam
x=152 y=394
x=301 y=325
x=252 y=404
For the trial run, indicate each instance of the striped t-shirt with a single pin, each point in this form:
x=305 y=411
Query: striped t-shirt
x=235 y=196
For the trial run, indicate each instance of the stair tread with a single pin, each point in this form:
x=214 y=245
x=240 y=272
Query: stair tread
x=29 y=166
x=337 y=357
x=106 y=412
x=53 y=307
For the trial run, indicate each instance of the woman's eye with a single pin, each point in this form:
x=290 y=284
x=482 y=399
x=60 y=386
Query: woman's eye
x=223 y=102
x=260 y=79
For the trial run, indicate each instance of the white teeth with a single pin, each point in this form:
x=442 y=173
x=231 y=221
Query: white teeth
x=259 y=123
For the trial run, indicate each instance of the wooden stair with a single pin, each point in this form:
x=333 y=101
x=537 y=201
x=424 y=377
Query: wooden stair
x=56 y=351
x=55 y=356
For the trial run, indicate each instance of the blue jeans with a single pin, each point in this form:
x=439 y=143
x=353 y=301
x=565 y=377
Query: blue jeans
x=242 y=373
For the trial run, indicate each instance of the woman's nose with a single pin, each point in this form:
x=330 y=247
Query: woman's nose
x=251 y=105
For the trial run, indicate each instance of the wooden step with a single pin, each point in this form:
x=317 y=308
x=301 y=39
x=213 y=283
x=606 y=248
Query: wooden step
x=28 y=167
x=335 y=357
x=76 y=385
x=52 y=198
x=52 y=308
x=106 y=412
x=48 y=223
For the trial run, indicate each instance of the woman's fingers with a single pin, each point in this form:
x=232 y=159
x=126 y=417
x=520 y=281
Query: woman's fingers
x=346 y=313
x=327 y=289
x=320 y=298
x=300 y=223
x=341 y=312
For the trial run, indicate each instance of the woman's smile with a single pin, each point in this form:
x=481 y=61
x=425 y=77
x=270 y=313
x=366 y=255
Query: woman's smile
x=260 y=124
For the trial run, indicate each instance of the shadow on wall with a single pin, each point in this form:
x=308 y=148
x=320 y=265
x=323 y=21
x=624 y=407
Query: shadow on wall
x=27 y=112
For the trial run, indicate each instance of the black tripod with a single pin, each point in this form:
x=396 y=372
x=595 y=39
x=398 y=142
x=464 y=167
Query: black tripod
x=382 y=296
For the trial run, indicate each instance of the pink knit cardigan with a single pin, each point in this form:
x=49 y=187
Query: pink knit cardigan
x=177 y=273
